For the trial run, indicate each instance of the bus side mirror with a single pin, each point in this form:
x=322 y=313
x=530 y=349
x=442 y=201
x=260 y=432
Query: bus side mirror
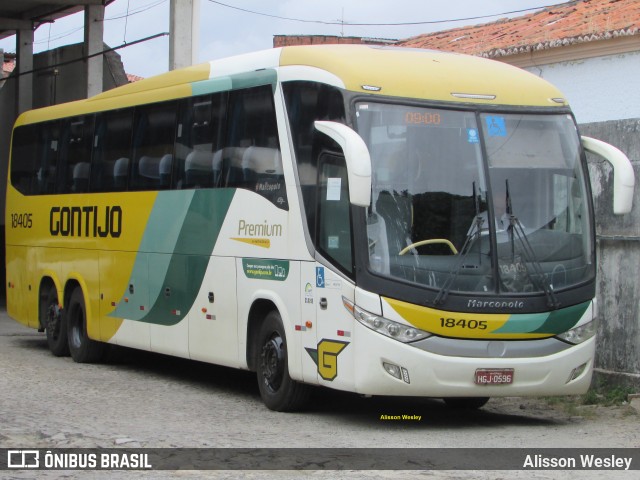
x=357 y=157
x=623 y=176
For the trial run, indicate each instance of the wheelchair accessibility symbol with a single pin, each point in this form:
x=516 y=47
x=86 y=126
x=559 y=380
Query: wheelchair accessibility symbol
x=496 y=126
x=320 y=277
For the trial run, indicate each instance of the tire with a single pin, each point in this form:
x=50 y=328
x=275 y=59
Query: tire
x=278 y=391
x=466 y=403
x=81 y=347
x=54 y=323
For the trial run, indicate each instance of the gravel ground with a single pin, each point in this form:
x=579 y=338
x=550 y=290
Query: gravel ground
x=138 y=399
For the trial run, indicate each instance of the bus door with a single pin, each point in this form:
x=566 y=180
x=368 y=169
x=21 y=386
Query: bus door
x=333 y=243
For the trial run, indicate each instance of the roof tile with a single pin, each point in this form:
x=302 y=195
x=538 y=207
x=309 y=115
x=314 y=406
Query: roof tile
x=577 y=21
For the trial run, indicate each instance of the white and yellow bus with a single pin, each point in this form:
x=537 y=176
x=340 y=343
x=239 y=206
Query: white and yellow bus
x=376 y=220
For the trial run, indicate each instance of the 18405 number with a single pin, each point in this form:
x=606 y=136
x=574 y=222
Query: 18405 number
x=21 y=220
x=463 y=323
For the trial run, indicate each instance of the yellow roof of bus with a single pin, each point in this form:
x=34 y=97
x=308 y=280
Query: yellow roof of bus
x=425 y=74
x=400 y=72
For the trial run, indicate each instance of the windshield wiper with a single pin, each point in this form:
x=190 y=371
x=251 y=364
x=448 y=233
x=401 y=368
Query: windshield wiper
x=515 y=229
x=472 y=234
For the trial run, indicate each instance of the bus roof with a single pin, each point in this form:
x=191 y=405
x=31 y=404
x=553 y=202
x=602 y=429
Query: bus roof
x=390 y=71
x=426 y=74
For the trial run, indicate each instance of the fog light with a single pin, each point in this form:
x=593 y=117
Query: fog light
x=393 y=370
x=576 y=372
x=405 y=375
x=400 y=373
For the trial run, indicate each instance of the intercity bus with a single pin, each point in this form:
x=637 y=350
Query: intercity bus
x=375 y=220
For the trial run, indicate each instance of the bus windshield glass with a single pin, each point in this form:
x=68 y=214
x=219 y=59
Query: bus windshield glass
x=476 y=202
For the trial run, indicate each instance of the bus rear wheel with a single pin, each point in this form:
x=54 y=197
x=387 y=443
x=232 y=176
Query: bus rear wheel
x=278 y=391
x=466 y=403
x=82 y=348
x=54 y=323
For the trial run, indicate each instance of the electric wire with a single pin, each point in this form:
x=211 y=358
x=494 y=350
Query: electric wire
x=144 y=8
x=129 y=13
x=126 y=21
x=58 y=36
x=137 y=10
x=86 y=57
x=359 y=24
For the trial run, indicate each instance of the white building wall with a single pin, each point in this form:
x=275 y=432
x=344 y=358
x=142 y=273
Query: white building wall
x=598 y=89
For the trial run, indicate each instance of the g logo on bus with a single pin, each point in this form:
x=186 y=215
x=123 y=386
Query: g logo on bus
x=326 y=357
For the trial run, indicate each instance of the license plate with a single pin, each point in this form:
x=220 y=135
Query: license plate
x=494 y=376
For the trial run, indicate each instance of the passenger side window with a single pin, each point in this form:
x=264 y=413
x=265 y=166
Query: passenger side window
x=198 y=158
x=75 y=155
x=226 y=139
x=307 y=102
x=154 y=134
x=34 y=158
x=251 y=156
x=25 y=159
x=49 y=149
x=112 y=151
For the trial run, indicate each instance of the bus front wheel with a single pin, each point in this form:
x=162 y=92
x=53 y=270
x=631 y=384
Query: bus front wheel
x=54 y=323
x=82 y=348
x=278 y=391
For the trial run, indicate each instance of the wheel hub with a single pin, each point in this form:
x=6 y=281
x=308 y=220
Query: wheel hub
x=273 y=363
x=53 y=320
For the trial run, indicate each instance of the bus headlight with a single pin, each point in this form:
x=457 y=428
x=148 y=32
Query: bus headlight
x=580 y=334
x=395 y=330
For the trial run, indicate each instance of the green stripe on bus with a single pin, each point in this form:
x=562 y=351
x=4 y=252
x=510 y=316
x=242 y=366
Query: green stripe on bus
x=523 y=323
x=169 y=207
x=554 y=322
x=189 y=262
x=174 y=278
x=212 y=85
x=564 y=319
x=254 y=79
x=235 y=82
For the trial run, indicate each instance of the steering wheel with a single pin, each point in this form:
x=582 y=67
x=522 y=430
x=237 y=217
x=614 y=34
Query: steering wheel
x=429 y=242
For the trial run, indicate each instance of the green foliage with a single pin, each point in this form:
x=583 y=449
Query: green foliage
x=590 y=398
x=598 y=395
x=607 y=394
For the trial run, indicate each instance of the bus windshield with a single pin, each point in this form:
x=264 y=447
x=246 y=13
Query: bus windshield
x=476 y=202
